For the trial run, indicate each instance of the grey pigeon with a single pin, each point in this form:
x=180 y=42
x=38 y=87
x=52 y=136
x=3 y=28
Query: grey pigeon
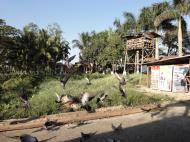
x=58 y=98
x=146 y=109
x=86 y=136
x=122 y=92
x=112 y=140
x=101 y=98
x=24 y=99
x=51 y=125
x=64 y=80
x=68 y=60
x=28 y=138
x=116 y=128
x=121 y=79
x=88 y=108
x=88 y=81
x=86 y=97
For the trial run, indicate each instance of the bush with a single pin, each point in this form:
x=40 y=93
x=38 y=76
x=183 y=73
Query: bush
x=10 y=104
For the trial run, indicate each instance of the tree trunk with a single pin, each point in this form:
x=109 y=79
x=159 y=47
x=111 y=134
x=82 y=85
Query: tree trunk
x=157 y=48
x=180 y=53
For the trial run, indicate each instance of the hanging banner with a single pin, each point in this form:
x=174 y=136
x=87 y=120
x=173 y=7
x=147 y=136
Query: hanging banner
x=155 y=72
x=165 y=80
x=179 y=78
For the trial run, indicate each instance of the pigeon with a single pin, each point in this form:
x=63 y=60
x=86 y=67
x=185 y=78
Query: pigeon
x=146 y=109
x=51 y=125
x=118 y=128
x=24 y=99
x=60 y=62
x=28 y=138
x=159 y=106
x=122 y=92
x=64 y=80
x=88 y=108
x=69 y=99
x=101 y=98
x=24 y=95
x=88 y=81
x=26 y=104
x=112 y=140
x=80 y=57
x=68 y=60
x=86 y=136
x=121 y=79
x=71 y=58
x=58 y=100
x=86 y=97
x=80 y=123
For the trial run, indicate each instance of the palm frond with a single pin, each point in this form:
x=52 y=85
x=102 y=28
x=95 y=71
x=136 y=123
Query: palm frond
x=167 y=15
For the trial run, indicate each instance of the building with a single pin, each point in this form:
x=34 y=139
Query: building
x=140 y=48
x=169 y=74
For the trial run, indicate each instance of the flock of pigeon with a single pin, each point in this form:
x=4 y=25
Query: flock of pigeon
x=81 y=101
x=84 y=136
x=75 y=103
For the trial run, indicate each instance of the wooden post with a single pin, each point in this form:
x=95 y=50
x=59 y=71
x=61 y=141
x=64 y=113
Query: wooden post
x=142 y=61
x=135 y=69
x=148 y=76
x=137 y=62
x=188 y=77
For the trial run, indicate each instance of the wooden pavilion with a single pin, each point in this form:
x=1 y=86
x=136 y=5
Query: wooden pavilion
x=140 y=48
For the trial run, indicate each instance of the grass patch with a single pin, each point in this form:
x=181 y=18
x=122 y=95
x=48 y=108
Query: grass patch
x=137 y=79
x=43 y=98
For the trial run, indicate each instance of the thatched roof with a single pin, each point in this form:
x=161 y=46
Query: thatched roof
x=145 y=34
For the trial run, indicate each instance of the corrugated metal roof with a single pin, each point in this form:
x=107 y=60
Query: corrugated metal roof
x=170 y=61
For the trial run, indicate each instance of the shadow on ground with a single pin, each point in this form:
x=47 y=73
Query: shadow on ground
x=167 y=128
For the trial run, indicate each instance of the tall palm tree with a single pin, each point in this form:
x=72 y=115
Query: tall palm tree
x=83 y=42
x=178 y=9
x=147 y=17
x=129 y=26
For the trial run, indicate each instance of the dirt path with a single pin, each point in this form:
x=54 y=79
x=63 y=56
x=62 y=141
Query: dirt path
x=176 y=96
x=170 y=124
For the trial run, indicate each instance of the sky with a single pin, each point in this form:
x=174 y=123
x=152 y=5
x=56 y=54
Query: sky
x=73 y=16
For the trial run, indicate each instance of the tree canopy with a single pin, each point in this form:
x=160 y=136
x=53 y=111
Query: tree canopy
x=107 y=46
x=32 y=48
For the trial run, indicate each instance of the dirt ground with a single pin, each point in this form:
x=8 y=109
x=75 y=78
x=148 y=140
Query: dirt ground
x=169 y=124
x=176 y=96
x=172 y=124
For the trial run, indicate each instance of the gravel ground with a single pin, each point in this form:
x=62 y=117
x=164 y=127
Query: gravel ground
x=172 y=124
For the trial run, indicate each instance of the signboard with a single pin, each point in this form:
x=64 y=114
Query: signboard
x=179 y=81
x=165 y=78
x=155 y=72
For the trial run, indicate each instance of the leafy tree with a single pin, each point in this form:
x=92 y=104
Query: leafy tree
x=129 y=26
x=178 y=9
x=31 y=49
